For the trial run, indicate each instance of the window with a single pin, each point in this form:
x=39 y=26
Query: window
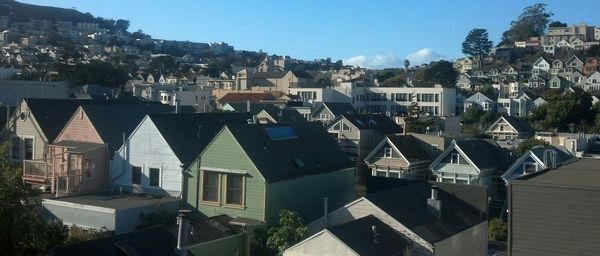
x=501 y=128
x=529 y=168
x=15 y=150
x=136 y=175
x=87 y=168
x=394 y=175
x=380 y=173
x=448 y=180
x=345 y=127
x=434 y=147
x=461 y=181
x=387 y=152
x=154 y=177
x=235 y=189
x=210 y=187
x=28 y=148
x=455 y=159
x=337 y=126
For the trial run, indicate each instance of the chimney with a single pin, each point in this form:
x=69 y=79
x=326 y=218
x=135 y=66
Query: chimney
x=182 y=234
x=248 y=106
x=434 y=205
x=375 y=234
x=325 y=211
x=176 y=106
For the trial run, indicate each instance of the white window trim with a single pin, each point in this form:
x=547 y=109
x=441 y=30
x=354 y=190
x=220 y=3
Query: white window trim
x=457 y=158
x=160 y=174
x=11 y=157
x=23 y=137
x=387 y=152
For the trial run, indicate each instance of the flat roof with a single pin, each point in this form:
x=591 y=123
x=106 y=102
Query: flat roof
x=114 y=201
x=583 y=173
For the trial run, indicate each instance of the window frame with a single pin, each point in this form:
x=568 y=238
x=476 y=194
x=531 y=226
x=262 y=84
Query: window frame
x=159 y=181
x=203 y=186
x=133 y=170
x=242 y=191
x=19 y=156
x=387 y=152
x=457 y=162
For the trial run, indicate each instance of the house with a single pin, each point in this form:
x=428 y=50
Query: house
x=358 y=134
x=266 y=113
x=78 y=159
x=364 y=236
x=509 y=128
x=539 y=101
x=541 y=64
x=472 y=161
x=161 y=147
x=538 y=159
x=328 y=111
x=245 y=97
x=437 y=218
x=552 y=212
x=573 y=64
x=468 y=83
x=558 y=82
x=400 y=156
x=590 y=66
x=253 y=171
x=481 y=101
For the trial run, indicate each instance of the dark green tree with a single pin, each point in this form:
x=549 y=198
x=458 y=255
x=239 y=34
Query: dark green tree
x=122 y=25
x=289 y=230
x=477 y=43
x=532 y=22
x=528 y=144
x=441 y=72
x=557 y=24
x=406 y=64
x=498 y=230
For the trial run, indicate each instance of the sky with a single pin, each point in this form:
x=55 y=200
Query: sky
x=373 y=34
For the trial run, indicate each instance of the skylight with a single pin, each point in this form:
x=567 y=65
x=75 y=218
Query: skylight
x=281 y=133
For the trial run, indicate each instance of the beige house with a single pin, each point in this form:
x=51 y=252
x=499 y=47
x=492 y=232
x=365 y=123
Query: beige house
x=509 y=128
x=400 y=156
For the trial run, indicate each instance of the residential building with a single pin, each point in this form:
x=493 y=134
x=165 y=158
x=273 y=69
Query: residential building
x=328 y=111
x=481 y=101
x=266 y=113
x=436 y=100
x=507 y=128
x=575 y=143
x=358 y=134
x=253 y=171
x=161 y=147
x=475 y=162
x=401 y=156
x=364 y=236
x=245 y=97
x=537 y=159
x=437 y=218
x=558 y=203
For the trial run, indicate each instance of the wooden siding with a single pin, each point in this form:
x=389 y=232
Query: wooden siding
x=395 y=162
x=29 y=129
x=225 y=153
x=472 y=242
x=337 y=186
x=80 y=128
x=324 y=243
x=146 y=148
x=553 y=221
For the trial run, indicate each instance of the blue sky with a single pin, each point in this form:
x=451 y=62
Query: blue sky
x=372 y=33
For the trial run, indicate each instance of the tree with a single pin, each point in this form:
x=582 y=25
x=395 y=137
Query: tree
x=477 y=43
x=287 y=232
x=532 y=22
x=441 y=72
x=122 y=25
x=527 y=145
x=406 y=64
x=557 y=24
x=498 y=230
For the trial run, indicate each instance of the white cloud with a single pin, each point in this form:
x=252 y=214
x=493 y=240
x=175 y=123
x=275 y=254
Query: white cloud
x=424 y=55
x=375 y=62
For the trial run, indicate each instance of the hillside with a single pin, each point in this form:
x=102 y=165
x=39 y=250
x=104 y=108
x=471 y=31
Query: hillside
x=24 y=12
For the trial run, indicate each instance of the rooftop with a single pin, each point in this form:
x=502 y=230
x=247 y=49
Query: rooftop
x=113 y=201
x=582 y=174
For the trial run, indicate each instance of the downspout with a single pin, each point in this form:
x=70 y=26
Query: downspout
x=125 y=155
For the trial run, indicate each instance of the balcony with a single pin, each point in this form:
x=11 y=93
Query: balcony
x=37 y=171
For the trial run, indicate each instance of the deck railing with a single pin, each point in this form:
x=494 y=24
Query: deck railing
x=68 y=184
x=37 y=169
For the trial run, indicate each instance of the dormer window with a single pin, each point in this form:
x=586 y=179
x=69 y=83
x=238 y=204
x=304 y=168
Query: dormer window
x=387 y=152
x=455 y=159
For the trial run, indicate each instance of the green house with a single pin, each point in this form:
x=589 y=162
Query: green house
x=252 y=171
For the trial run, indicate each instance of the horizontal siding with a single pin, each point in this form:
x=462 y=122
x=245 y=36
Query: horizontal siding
x=29 y=129
x=337 y=186
x=224 y=152
x=554 y=221
x=80 y=129
x=322 y=244
x=148 y=149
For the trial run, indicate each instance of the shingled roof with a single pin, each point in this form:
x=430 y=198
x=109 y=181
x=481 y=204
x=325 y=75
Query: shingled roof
x=410 y=148
x=336 y=108
x=485 y=154
x=358 y=235
x=377 y=122
x=519 y=124
x=463 y=206
x=112 y=121
x=277 y=113
x=189 y=134
x=306 y=149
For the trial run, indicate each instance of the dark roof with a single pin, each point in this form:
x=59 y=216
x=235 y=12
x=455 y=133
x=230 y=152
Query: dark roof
x=562 y=155
x=313 y=151
x=277 y=113
x=302 y=74
x=463 y=206
x=410 y=147
x=359 y=236
x=581 y=174
x=112 y=121
x=337 y=108
x=208 y=229
x=189 y=134
x=255 y=107
x=243 y=97
x=149 y=241
x=377 y=122
x=485 y=154
x=4 y=115
x=519 y=124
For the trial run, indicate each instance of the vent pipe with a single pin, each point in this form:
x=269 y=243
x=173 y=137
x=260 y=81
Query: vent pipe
x=375 y=234
x=182 y=233
x=248 y=106
x=434 y=205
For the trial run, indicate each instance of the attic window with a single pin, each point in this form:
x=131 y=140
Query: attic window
x=345 y=127
x=387 y=152
x=281 y=133
x=337 y=126
x=455 y=159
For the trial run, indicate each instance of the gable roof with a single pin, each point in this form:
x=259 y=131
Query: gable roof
x=358 y=235
x=112 y=121
x=484 y=154
x=189 y=134
x=244 y=97
x=463 y=206
x=408 y=146
x=377 y=122
x=149 y=241
x=277 y=113
x=336 y=108
x=311 y=151
x=537 y=154
x=520 y=125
